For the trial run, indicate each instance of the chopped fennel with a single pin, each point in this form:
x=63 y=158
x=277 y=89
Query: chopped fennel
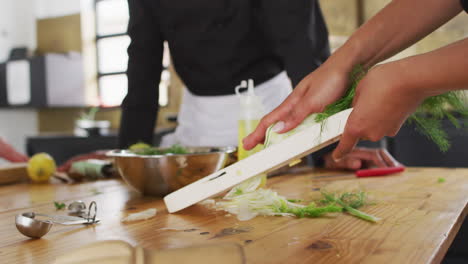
x=255 y=202
x=268 y=203
x=246 y=186
x=143 y=215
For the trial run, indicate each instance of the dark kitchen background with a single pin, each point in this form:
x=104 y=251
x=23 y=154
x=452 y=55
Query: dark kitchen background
x=59 y=59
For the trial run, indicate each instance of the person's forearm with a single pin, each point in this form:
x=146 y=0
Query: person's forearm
x=137 y=125
x=140 y=106
x=391 y=92
x=396 y=27
x=436 y=72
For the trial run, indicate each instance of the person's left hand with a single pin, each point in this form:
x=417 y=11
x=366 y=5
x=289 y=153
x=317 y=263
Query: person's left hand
x=361 y=158
x=9 y=153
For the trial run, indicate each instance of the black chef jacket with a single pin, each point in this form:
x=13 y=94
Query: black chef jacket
x=464 y=4
x=214 y=45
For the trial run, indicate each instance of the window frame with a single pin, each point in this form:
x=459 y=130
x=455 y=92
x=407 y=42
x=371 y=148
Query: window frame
x=107 y=36
x=99 y=37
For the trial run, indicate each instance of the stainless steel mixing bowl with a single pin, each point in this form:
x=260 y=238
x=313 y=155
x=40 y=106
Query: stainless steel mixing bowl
x=157 y=175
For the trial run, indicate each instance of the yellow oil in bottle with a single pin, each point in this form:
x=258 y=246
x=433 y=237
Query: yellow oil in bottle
x=245 y=128
x=251 y=111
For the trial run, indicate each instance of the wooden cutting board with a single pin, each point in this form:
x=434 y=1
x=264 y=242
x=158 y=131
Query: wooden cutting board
x=120 y=252
x=13 y=173
x=420 y=218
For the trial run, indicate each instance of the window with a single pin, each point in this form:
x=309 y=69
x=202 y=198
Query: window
x=112 y=42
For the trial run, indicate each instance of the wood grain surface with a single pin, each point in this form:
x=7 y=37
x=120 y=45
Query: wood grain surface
x=420 y=219
x=13 y=173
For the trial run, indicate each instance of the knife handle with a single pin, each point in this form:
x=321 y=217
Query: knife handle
x=379 y=171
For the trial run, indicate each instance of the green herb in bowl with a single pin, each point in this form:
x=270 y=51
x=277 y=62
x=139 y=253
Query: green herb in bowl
x=148 y=150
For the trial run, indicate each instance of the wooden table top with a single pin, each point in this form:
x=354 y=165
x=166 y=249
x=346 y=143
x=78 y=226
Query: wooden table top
x=420 y=216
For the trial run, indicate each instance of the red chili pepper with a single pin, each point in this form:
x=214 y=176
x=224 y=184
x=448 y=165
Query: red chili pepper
x=379 y=171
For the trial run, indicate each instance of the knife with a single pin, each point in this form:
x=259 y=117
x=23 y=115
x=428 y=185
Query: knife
x=379 y=171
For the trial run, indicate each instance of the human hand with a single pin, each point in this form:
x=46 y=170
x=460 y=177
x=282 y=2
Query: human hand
x=317 y=90
x=360 y=158
x=9 y=153
x=383 y=101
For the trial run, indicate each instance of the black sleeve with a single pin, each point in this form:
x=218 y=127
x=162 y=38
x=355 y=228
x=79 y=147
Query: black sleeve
x=298 y=34
x=140 y=106
x=464 y=4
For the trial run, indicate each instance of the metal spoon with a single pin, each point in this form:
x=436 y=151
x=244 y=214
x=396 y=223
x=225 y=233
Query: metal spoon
x=30 y=226
x=77 y=207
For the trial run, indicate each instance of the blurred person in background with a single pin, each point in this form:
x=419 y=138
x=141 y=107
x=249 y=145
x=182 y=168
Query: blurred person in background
x=8 y=153
x=214 y=46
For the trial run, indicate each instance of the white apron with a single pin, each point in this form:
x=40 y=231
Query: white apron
x=213 y=120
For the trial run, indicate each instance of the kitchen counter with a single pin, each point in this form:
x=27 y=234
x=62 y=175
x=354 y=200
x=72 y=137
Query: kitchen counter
x=420 y=218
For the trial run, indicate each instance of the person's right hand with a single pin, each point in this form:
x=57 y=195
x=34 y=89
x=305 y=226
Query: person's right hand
x=384 y=99
x=317 y=90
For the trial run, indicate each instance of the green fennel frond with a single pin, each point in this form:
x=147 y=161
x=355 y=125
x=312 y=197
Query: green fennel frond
x=427 y=118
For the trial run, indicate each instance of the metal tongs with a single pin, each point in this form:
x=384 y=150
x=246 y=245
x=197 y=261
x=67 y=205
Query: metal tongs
x=36 y=225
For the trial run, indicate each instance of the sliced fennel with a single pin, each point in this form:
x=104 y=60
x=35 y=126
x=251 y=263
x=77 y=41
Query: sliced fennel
x=268 y=203
x=247 y=186
x=271 y=138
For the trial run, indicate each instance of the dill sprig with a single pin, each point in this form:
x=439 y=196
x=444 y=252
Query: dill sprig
x=332 y=203
x=312 y=210
x=346 y=101
x=59 y=205
x=350 y=202
x=427 y=118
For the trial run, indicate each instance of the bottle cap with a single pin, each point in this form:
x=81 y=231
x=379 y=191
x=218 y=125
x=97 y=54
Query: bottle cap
x=251 y=104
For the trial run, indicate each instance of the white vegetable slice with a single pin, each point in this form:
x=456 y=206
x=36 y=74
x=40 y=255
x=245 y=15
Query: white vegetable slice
x=259 y=202
x=143 y=215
